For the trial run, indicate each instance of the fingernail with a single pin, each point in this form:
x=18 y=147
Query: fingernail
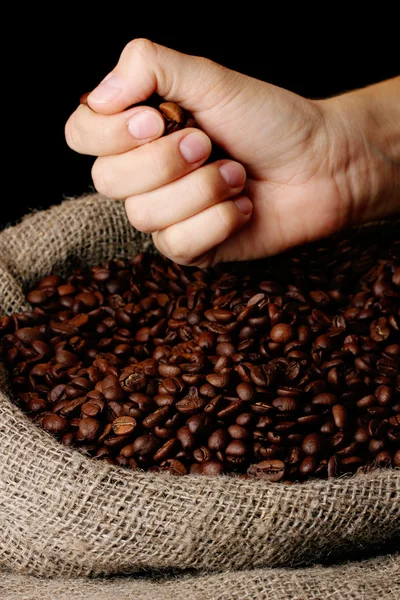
x=146 y=124
x=195 y=147
x=233 y=173
x=109 y=89
x=244 y=205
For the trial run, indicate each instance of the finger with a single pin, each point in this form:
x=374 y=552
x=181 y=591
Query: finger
x=186 y=197
x=88 y=132
x=184 y=242
x=151 y=166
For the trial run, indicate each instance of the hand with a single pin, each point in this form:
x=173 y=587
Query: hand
x=300 y=169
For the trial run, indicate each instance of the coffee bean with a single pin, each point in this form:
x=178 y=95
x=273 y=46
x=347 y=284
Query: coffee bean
x=123 y=425
x=237 y=432
x=158 y=417
x=384 y=394
x=312 y=444
x=218 y=440
x=308 y=466
x=339 y=413
x=281 y=333
x=166 y=450
x=54 y=424
x=199 y=424
x=145 y=364
x=37 y=296
x=186 y=438
x=230 y=410
x=145 y=445
x=190 y=404
x=173 y=466
x=271 y=470
x=89 y=429
x=325 y=399
x=132 y=379
x=285 y=404
x=212 y=467
x=202 y=454
x=236 y=448
x=218 y=380
x=169 y=370
x=245 y=419
x=245 y=391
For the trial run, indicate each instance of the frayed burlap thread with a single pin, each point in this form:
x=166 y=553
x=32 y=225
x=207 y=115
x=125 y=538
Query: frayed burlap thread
x=63 y=515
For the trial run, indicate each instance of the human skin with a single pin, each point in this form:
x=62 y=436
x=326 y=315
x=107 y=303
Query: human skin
x=298 y=169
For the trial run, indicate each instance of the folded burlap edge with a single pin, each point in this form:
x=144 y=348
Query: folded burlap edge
x=373 y=579
x=60 y=520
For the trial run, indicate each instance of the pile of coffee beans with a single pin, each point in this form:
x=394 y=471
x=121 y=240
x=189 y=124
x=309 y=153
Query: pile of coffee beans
x=285 y=368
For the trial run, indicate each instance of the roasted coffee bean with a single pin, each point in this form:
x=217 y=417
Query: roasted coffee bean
x=199 y=424
x=237 y=432
x=218 y=380
x=190 y=404
x=123 y=425
x=230 y=410
x=312 y=444
x=259 y=369
x=308 y=466
x=218 y=440
x=339 y=413
x=186 y=438
x=212 y=467
x=325 y=399
x=145 y=445
x=158 y=417
x=167 y=450
x=285 y=404
x=271 y=470
x=201 y=454
x=245 y=391
x=281 y=333
x=89 y=429
x=173 y=466
x=236 y=448
x=54 y=424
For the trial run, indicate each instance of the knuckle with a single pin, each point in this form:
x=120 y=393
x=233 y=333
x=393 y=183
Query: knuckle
x=175 y=246
x=141 y=46
x=139 y=216
x=227 y=218
x=101 y=179
x=207 y=187
x=162 y=164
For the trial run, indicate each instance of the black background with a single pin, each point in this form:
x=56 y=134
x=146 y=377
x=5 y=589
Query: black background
x=53 y=58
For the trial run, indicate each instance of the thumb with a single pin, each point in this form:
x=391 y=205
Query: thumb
x=220 y=99
x=145 y=67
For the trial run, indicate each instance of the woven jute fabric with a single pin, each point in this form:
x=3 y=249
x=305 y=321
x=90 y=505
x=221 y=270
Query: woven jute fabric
x=63 y=515
x=376 y=579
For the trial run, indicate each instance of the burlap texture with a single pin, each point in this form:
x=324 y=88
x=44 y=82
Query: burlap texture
x=63 y=515
x=376 y=579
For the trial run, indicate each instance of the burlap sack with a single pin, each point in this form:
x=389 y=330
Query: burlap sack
x=376 y=579
x=64 y=516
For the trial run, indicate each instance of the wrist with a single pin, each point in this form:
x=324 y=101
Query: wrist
x=363 y=129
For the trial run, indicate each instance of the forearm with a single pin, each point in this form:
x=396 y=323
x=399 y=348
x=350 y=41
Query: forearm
x=365 y=129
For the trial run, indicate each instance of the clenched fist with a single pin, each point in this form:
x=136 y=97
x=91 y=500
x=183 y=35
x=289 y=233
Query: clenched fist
x=296 y=169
